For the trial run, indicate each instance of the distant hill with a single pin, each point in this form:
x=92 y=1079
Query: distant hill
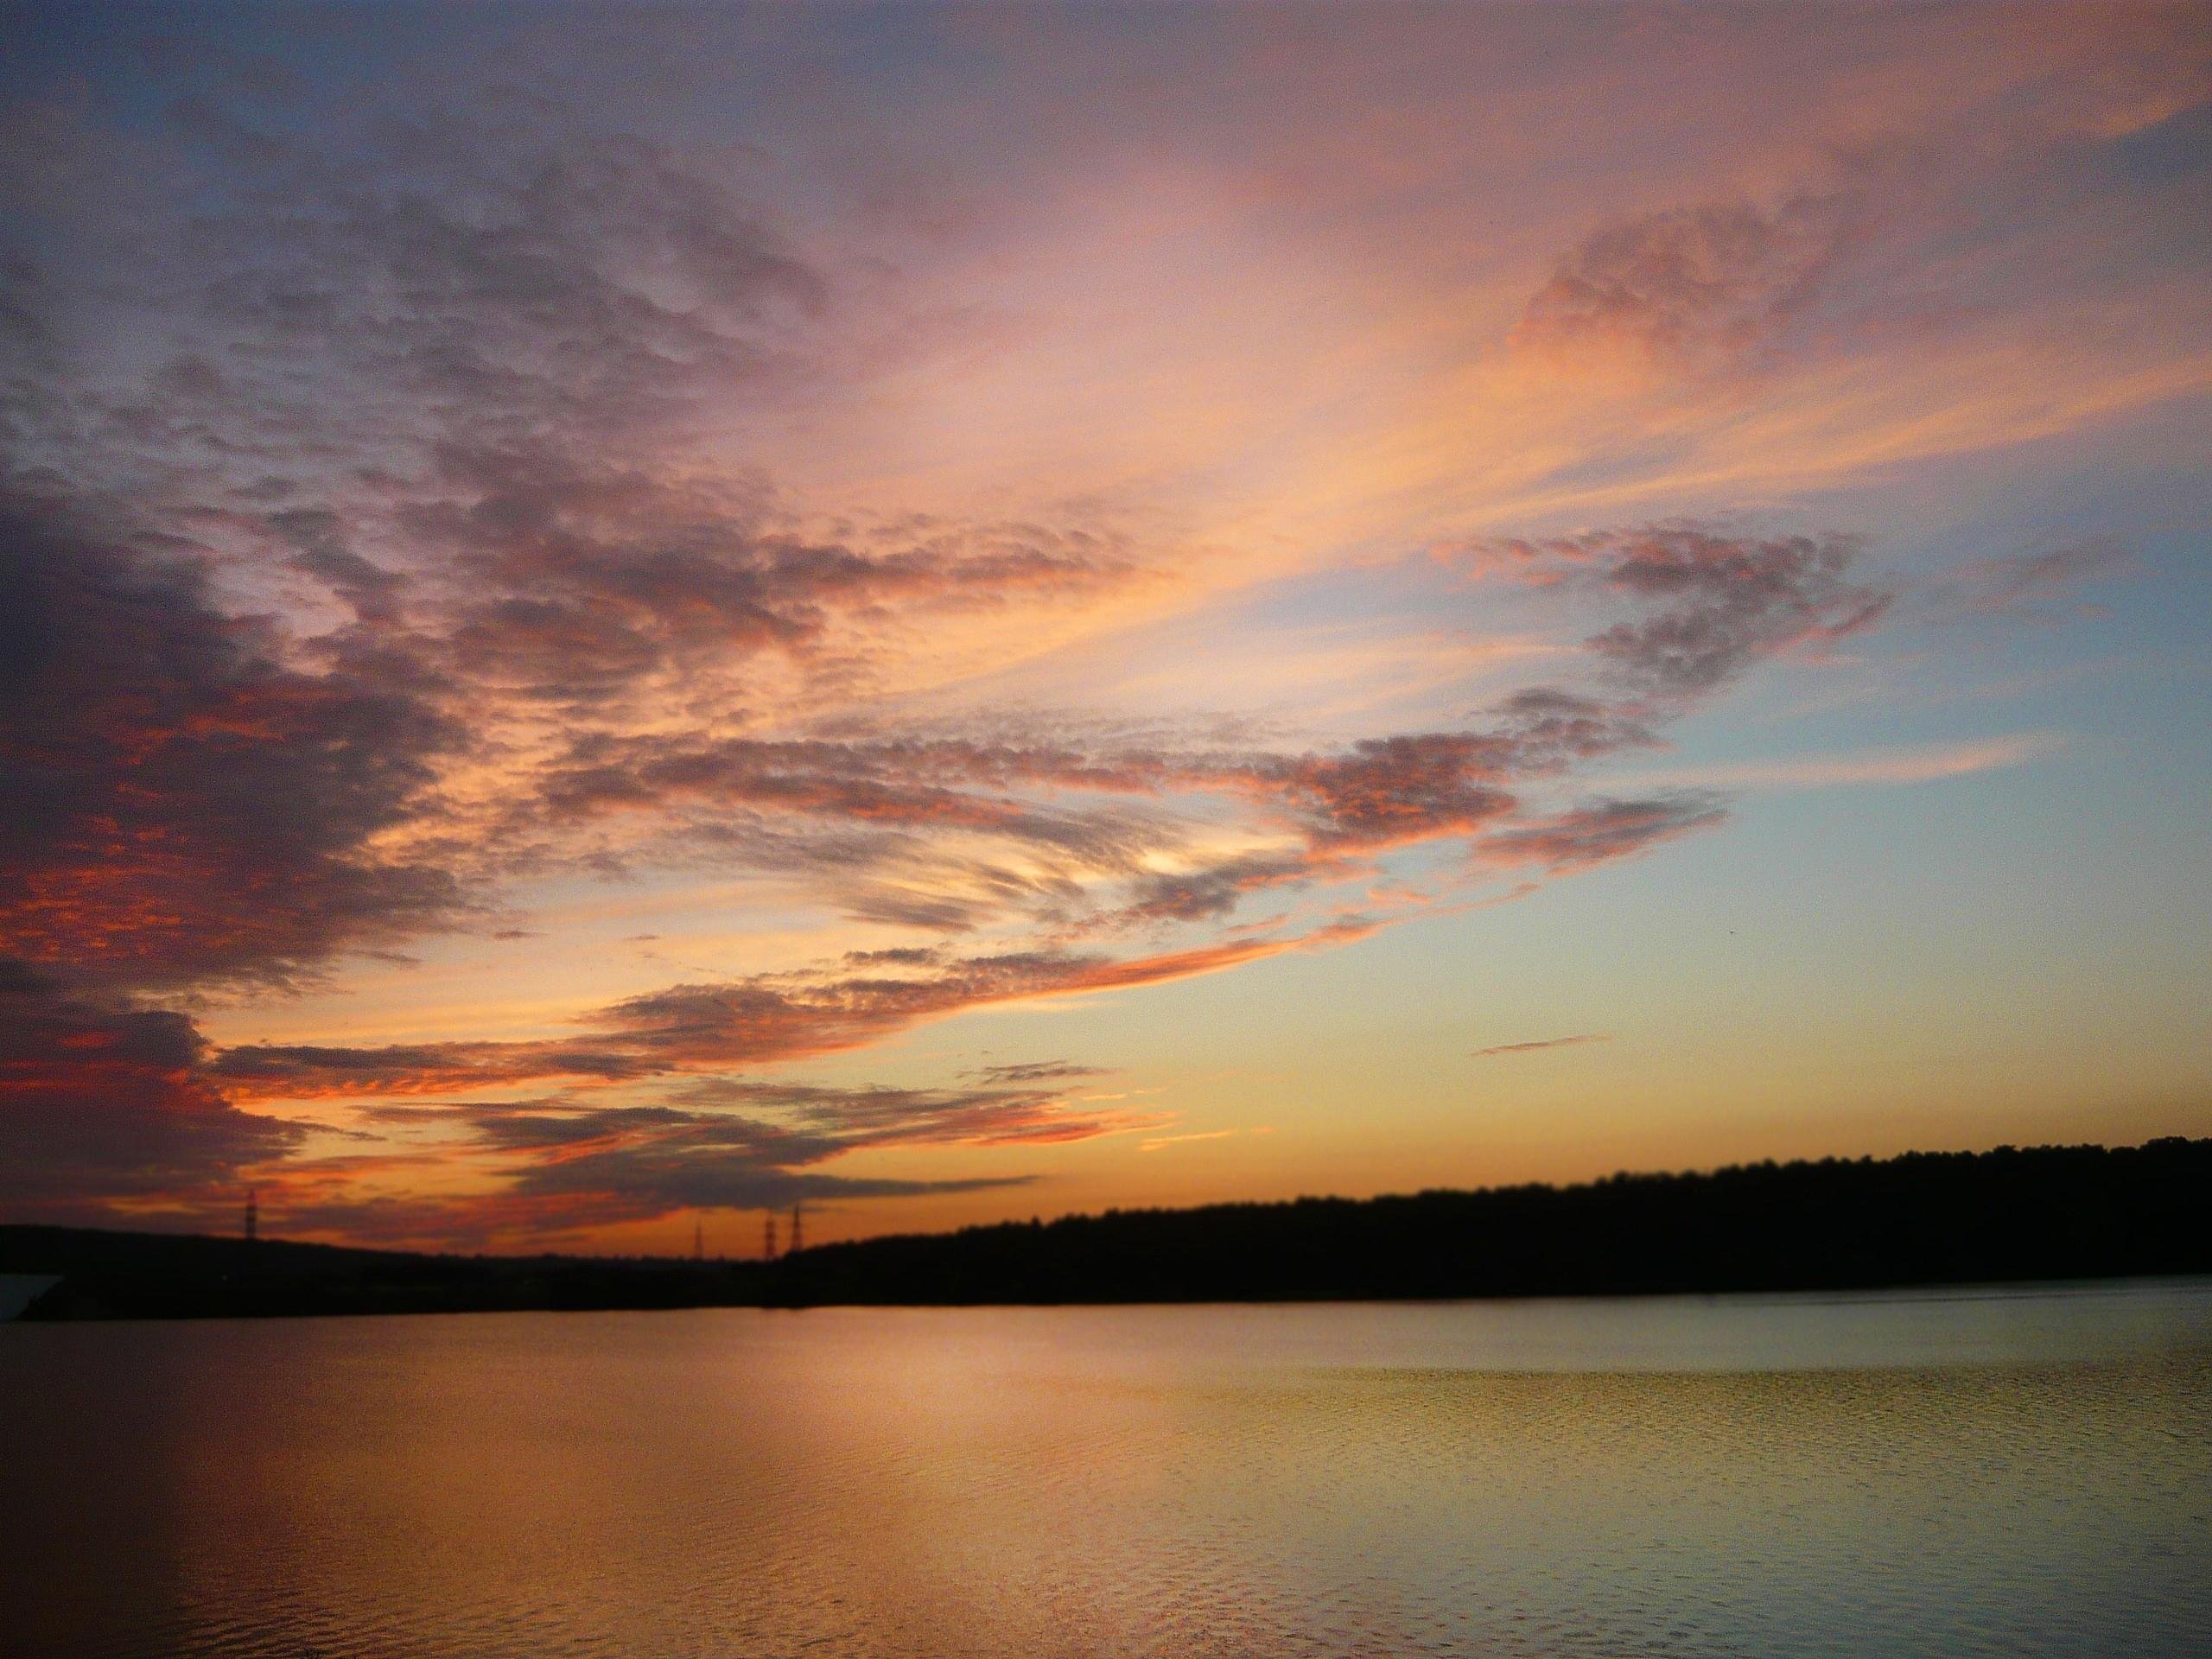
x=2046 y=1212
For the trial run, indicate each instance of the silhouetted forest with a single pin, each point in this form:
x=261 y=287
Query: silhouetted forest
x=2047 y=1212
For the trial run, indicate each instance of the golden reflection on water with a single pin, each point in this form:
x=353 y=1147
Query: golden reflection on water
x=2010 y=1473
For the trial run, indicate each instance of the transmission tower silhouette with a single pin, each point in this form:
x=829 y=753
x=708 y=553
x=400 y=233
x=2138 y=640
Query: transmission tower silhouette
x=768 y=1244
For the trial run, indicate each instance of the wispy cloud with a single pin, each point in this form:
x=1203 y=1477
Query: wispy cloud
x=2043 y=587
x=1915 y=764
x=1156 y=1142
x=1538 y=1045
x=1039 y=1071
x=763 y=1020
x=1600 y=832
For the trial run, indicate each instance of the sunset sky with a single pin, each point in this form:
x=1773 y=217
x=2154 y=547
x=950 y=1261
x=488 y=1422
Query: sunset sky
x=611 y=618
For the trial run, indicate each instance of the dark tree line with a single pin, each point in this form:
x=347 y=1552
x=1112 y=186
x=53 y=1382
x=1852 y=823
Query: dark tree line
x=2050 y=1213
x=2047 y=1212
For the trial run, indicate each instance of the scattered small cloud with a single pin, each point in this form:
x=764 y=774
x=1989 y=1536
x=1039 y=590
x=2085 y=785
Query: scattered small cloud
x=1698 y=287
x=1039 y=1071
x=2040 y=587
x=1538 y=1045
x=1158 y=1141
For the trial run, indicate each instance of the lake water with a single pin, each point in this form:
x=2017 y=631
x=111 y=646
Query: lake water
x=1961 y=1472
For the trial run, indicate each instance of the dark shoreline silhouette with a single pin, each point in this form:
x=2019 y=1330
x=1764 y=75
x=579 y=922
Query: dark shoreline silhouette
x=1923 y=1218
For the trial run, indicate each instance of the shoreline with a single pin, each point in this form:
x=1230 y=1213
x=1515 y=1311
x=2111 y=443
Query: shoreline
x=2008 y=1217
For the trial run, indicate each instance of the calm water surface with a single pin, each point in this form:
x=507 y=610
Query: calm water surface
x=1966 y=1472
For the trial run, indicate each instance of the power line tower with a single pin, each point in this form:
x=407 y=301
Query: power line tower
x=252 y=1216
x=768 y=1233
x=797 y=1234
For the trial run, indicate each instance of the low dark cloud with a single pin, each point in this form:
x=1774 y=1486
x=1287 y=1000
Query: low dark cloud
x=178 y=805
x=731 y=1143
x=104 y=1101
x=568 y=1162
